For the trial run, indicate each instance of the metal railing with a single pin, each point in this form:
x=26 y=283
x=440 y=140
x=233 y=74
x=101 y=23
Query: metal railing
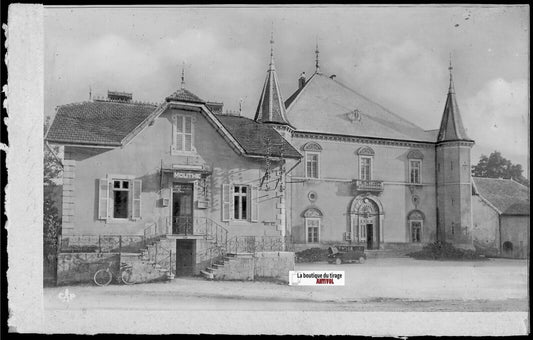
x=101 y=243
x=199 y=226
x=253 y=244
x=368 y=185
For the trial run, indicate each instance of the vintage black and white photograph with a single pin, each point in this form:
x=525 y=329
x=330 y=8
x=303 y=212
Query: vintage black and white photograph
x=341 y=159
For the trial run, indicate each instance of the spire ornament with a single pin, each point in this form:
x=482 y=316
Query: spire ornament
x=183 y=76
x=451 y=88
x=317 y=67
x=272 y=49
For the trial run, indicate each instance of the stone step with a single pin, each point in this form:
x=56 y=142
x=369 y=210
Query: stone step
x=217 y=265
x=207 y=275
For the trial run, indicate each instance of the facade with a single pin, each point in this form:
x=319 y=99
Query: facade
x=367 y=175
x=327 y=165
x=501 y=217
x=175 y=169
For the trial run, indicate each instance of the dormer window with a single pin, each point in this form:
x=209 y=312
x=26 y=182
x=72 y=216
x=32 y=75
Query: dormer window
x=183 y=134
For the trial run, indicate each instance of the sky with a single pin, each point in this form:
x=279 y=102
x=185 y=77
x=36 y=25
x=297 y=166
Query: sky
x=398 y=56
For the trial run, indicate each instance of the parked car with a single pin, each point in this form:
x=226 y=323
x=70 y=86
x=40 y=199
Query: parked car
x=346 y=253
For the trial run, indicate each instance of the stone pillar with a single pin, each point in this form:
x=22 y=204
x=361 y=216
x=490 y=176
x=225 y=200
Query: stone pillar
x=69 y=166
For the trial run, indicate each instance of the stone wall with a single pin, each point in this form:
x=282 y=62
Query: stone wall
x=240 y=268
x=81 y=267
x=261 y=265
x=273 y=265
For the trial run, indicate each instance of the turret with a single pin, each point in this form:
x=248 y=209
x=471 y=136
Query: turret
x=454 y=211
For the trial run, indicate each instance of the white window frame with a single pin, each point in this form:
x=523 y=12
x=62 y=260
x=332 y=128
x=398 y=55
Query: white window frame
x=180 y=118
x=371 y=174
x=307 y=154
x=112 y=190
x=419 y=171
x=411 y=230
x=240 y=194
x=110 y=178
x=307 y=220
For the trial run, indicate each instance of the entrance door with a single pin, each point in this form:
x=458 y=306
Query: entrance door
x=182 y=203
x=185 y=254
x=369 y=236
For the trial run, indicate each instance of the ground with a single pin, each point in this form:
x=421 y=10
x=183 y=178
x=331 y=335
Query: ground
x=395 y=285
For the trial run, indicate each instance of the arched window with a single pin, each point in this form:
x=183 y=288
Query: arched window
x=416 y=224
x=366 y=160
x=312 y=159
x=312 y=221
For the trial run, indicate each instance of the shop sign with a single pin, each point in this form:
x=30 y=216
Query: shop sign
x=187 y=175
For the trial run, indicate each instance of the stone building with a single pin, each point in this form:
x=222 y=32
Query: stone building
x=203 y=180
x=501 y=217
x=368 y=176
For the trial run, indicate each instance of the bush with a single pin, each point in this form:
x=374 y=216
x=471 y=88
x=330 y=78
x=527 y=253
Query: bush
x=312 y=255
x=445 y=251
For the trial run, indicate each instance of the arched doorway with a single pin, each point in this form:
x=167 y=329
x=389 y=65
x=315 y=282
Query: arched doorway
x=507 y=248
x=366 y=221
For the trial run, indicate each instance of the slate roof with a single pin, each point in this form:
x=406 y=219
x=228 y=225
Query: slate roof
x=451 y=126
x=508 y=196
x=324 y=105
x=97 y=123
x=252 y=136
x=271 y=108
x=185 y=95
x=107 y=123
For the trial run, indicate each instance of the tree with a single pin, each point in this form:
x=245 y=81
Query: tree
x=497 y=166
x=51 y=216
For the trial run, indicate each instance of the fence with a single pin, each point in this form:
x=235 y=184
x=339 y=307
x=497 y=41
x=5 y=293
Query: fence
x=253 y=244
x=101 y=243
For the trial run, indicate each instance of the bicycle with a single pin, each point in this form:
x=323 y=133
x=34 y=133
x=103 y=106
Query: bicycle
x=103 y=277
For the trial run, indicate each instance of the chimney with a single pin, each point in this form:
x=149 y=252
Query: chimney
x=119 y=96
x=301 y=80
x=215 y=107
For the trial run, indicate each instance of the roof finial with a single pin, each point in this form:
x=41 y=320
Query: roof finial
x=272 y=47
x=183 y=76
x=317 y=67
x=450 y=68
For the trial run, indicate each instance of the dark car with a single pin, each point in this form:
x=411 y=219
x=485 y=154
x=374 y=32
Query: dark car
x=346 y=253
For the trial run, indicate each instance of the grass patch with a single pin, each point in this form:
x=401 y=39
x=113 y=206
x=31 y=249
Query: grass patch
x=312 y=255
x=444 y=251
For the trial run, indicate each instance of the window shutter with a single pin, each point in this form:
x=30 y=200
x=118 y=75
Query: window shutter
x=254 y=205
x=136 y=207
x=226 y=202
x=103 y=199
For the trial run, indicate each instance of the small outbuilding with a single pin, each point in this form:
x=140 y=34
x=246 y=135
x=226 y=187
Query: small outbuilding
x=500 y=209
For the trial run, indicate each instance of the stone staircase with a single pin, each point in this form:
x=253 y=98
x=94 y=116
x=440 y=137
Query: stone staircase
x=146 y=265
x=233 y=266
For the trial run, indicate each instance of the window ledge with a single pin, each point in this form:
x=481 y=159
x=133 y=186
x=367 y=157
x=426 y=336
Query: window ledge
x=120 y=220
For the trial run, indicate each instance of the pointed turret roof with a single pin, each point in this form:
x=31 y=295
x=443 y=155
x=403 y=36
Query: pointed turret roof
x=271 y=108
x=451 y=126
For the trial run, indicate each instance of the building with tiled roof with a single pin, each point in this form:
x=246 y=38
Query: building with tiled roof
x=501 y=217
x=180 y=171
